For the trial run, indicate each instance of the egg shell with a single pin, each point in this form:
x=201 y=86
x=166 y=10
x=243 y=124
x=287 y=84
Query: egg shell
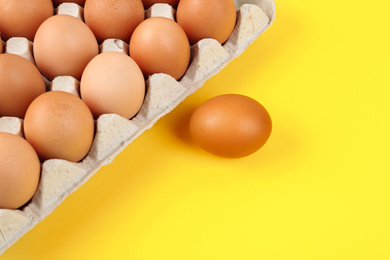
x=63 y=46
x=20 y=83
x=160 y=45
x=59 y=125
x=230 y=125
x=61 y=178
x=112 y=82
x=113 y=18
x=202 y=19
x=22 y=18
x=19 y=173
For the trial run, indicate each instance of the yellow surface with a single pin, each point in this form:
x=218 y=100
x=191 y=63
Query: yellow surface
x=319 y=189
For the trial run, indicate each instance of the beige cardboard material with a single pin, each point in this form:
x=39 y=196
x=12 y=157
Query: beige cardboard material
x=61 y=178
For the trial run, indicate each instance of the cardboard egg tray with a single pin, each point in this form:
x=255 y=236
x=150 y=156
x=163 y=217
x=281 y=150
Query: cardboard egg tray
x=59 y=178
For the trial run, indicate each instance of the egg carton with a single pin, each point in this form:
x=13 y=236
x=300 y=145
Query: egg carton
x=60 y=178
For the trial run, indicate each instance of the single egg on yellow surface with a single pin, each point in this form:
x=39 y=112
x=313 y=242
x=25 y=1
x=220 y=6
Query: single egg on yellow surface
x=159 y=45
x=230 y=125
x=20 y=83
x=22 y=18
x=113 y=83
x=19 y=172
x=202 y=19
x=59 y=125
x=63 y=46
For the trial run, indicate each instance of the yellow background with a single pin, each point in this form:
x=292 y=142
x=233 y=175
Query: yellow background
x=319 y=189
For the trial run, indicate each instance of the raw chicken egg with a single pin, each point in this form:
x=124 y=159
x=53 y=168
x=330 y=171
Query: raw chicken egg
x=22 y=18
x=63 y=46
x=20 y=83
x=59 y=125
x=149 y=3
x=58 y=2
x=1 y=45
x=159 y=45
x=207 y=19
x=19 y=172
x=113 y=19
x=113 y=83
x=230 y=125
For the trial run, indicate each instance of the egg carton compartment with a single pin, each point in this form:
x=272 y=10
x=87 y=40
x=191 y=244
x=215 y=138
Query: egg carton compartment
x=60 y=178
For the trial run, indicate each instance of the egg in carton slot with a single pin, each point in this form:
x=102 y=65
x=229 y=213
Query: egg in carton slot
x=60 y=178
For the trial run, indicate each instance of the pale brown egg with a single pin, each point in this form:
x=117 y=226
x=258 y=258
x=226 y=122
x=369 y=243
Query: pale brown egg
x=19 y=172
x=58 y=2
x=113 y=83
x=230 y=125
x=149 y=3
x=159 y=45
x=21 y=18
x=20 y=83
x=113 y=19
x=63 y=46
x=202 y=19
x=59 y=125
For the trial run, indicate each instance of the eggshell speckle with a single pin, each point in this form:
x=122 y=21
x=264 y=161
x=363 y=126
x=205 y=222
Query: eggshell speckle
x=63 y=46
x=20 y=83
x=19 y=171
x=113 y=83
x=113 y=18
x=231 y=125
x=59 y=125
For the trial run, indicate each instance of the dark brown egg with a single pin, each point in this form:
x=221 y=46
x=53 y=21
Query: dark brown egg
x=115 y=19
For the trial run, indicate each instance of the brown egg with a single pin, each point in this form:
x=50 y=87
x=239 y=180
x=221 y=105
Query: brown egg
x=1 y=45
x=59 y=125
x=207 y=19
x=113 y=83
x=149 y=3
x=19 y=172
x=58 y=2
x=20 y=83
x=63 y=46
x=159 y=45
x=230 y=125
x=113 y=18
x=22 y=18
